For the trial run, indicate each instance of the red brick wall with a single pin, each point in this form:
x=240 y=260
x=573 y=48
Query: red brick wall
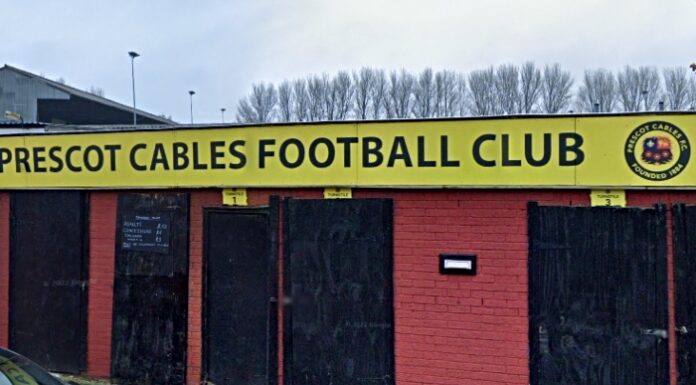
x=461 y=329
x=199 y=199
x=4 y=268
x=102 y=245
x=449 y=329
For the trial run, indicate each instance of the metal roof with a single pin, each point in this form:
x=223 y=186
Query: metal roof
x=86 y=95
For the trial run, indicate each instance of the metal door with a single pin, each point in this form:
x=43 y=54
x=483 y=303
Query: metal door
x=338 y=316
x=48 y=277
x=597 y=296
x=684 y=245
x=240 y=296
x=150 y=312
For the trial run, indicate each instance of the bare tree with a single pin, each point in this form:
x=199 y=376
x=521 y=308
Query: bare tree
x=629 y=89
x=259 y=106
x=300 y=100
x=363 y=82
x=399 y=95
x=446 y=94
x=650 y=86
x=556 y=89
x=482 y=92
x=424 y=94
x=598 y=91
x=676 y=87
x=691 y=99
x=638 y=89
x=329 y=98
x=378 y=94
x=315 y=90
x=507 y=88
x=344 y=94
x=462 y=95
x=530 y=87
x=285 y=102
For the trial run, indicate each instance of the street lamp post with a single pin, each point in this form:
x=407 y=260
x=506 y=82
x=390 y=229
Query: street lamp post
x=222 y=112
x=133 y=55
x=191 y=93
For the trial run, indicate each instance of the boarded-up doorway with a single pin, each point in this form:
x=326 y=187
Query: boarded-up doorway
x=597 y=296
x=48 y=277
x=151 y=290
x=240 y=297
x=684 y=221
x=337 y=266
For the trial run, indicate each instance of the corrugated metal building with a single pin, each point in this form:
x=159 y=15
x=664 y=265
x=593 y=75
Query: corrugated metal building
x=37 y=99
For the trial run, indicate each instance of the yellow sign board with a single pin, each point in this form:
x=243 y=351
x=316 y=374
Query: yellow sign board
x=338 y=193
x=608 y=198
x=234 y=197
x=584 y=151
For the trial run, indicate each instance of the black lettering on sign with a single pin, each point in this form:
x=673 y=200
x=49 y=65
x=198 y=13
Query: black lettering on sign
x=371 y=148
x=39 y=159
x=146 y=233
x=159 y=158
x=564 y=148
x=265 y=153
x=54 y=154
x=112 y=148
x=5 y=158
x=399 y=151
x=284 y=153
x=181 y=160
x=477 y=150
x=444 y=148
x=237 y=154
x=347 y=142
x=422 y=161
x=133 y=157
x=22 y=156
x=217 y=155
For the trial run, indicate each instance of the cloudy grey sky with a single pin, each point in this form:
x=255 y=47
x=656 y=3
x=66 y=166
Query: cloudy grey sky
x=219 y=48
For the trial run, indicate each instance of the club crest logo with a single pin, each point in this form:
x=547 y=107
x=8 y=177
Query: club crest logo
x=657 y=151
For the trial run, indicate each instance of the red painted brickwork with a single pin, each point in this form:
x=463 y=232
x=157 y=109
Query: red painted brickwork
x=449 y=329
x=199 y=199
x=102 y=244
x=461 y=329
x=4 y=268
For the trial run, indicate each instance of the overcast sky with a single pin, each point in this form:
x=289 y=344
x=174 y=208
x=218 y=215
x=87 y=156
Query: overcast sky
x=219 y=48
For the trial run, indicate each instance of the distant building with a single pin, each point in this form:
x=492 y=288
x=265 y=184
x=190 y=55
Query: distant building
x=37 y=99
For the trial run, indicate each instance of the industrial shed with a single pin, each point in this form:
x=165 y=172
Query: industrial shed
x=29 y=97
x=512 y=250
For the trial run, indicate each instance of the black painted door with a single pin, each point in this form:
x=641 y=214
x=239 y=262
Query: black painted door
x=597 y=296
x=338 y=318
x=48 y=279
x=151 y=289
x=240 y=307
x=684 y=222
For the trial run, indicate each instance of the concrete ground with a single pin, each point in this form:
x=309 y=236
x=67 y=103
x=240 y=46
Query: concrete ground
x=82 y=380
